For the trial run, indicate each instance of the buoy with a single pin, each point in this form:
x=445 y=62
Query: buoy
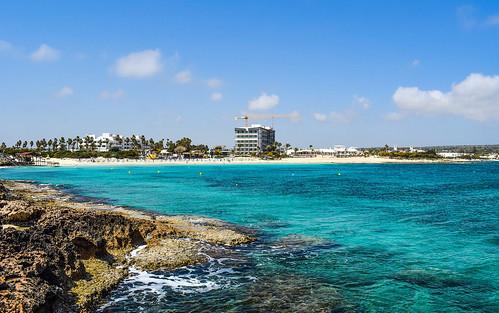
x=158 y=171
x=200 y=173
x=129 y=172
x=339 y=174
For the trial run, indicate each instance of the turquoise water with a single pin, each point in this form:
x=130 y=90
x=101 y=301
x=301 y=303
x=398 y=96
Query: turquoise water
x=366 y=238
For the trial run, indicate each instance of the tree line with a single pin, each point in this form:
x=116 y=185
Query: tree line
x=85 y=147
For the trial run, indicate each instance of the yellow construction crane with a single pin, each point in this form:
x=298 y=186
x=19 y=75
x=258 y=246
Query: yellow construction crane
x=243 y=117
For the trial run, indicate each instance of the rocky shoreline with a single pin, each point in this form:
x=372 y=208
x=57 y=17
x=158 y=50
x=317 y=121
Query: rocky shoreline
x=61 y=255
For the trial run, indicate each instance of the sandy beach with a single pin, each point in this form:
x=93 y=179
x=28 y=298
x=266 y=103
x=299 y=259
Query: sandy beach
x=244 y=160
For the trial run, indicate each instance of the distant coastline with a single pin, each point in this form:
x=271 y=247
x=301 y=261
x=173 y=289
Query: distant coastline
x=249 y=160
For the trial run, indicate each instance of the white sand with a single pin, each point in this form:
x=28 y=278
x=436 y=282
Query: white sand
x=310 y=160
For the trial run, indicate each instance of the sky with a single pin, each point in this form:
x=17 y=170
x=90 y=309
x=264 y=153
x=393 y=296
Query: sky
x=357 y=73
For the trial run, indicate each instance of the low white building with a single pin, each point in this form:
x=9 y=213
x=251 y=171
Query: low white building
x=336 y=151
x=451 y=155
x=106 y=142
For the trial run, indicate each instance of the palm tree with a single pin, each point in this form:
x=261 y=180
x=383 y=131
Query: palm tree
x=78 y=142
x=62 y=143
x=50 y=144
x=70 y=144
x=31 y=143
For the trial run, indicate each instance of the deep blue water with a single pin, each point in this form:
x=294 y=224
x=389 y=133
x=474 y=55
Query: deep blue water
x=361 y=238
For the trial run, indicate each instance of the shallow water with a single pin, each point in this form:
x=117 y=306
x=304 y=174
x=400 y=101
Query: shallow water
x=379 y=237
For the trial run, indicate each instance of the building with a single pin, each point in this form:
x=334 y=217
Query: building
x=105 y=142
x=337 y=151
x=253 y=139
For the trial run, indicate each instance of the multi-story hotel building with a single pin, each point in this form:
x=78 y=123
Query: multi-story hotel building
x=253 y=139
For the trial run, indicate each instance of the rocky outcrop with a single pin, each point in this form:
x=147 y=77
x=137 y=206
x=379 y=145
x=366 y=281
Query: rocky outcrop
x=61 y=256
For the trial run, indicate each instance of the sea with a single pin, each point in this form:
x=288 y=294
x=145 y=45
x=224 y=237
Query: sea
x=331 y=237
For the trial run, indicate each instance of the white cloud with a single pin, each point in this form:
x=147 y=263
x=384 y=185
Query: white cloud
x=5 y=45
x=140 y=64
x=183 y=77
x=264 y=102
x=394 y=116
x=363 y=102
x=45 y=53
x=321 y=117
x=111 y=95
x=214 y=83
x=216 y=96
x=65 y=92
x=415 y=63
x=476 y=98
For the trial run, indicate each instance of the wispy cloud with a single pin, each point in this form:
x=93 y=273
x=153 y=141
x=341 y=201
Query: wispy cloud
x=64 y=92
x=293 y=116
x=263 y=102
x=469 y=18
x=111 y=95
x=214 y=83
x=415 y=63
x=5 y=45
x=140 y=64
x=348 y=114
x=475 y=98
x=183 y=77
x=216 y=96
x=493 y=20
x=45 y=53
x=321 y=117
x=394 y=116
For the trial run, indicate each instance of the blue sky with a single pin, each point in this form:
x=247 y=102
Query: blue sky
x=362 y=73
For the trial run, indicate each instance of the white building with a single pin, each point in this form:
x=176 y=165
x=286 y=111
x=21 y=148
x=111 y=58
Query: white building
x=451 y=155
x=106 y=142
x=336 y=151
x=253 y=139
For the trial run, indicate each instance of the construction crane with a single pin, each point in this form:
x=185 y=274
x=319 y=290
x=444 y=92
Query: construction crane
x=243 y=117
x=293 y=116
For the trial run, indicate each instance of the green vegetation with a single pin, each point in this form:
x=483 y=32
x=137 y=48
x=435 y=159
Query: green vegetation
x=431 y=154
x=88 y=147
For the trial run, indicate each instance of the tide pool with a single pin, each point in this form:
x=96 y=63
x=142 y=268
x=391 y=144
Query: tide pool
x=366 y=238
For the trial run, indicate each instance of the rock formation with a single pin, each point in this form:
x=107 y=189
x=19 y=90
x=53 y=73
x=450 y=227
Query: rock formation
x=57 y=255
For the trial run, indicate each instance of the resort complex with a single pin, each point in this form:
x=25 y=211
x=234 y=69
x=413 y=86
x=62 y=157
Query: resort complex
x=253 y=139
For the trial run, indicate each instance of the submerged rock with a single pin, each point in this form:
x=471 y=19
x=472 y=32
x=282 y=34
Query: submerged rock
x=292 y=293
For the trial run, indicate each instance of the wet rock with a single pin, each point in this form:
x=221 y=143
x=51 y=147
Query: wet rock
x=100 y=278
x=168 y=254
x=4 y=192
x=209 y=230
